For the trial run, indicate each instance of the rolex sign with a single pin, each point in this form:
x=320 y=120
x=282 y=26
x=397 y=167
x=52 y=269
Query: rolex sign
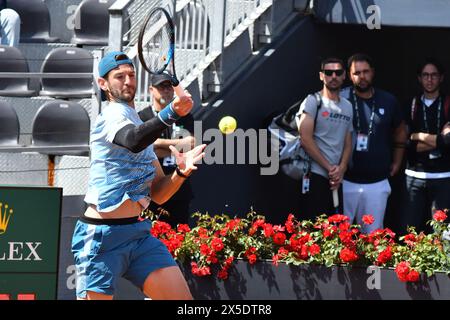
x=29 y=240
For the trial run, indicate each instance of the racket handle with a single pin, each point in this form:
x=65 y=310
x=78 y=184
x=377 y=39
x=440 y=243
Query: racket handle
x=179 y=91
x=335 y=199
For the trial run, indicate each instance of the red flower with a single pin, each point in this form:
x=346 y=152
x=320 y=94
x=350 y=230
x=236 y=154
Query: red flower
x=344 y=226
x=385 y=255
x=405 y=273
x=233 y=224
x=410 y=239
x=282 y=251
x=224 y=231
x=203 y=271
x=327 y=233
x=368 y=219
x=346 y=237
x=439 y=215
x=413 y=276
x=268 y=230
x=294 y=242
x=229 y=261
x=279 y=238
x=258 y=223
x=337 y=218
x=212 y=258
x=183 y=228
x=160 y=228
x=314 y=249
x=275 y=259
x=252 y=258
x=348 y=255
x=278 y=228
x=304 y=252
x=203 y=233
x=402 y=271
x=204 y=250
x=217 y=244
x=290 y=224
x=223 y=274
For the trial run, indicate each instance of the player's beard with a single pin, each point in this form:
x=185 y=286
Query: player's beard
x=119 y=96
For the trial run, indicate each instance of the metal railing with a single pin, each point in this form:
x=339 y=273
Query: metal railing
x=204 y=28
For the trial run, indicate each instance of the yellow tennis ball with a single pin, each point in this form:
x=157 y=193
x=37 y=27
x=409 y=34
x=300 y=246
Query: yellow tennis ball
x=227 y=125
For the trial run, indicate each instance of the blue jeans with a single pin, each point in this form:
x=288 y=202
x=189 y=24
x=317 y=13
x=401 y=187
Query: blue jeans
x=421 y=199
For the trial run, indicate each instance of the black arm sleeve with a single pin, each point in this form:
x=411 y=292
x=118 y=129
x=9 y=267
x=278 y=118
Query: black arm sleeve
x=137 y=138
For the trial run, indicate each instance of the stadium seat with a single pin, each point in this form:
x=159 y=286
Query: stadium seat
x=35 y=20
x=92 y=23
x=9 y=125
x=67 y=60
x=60 y=123
x=12 y=60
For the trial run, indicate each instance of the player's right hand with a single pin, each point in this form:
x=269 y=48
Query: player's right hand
x=183 y=105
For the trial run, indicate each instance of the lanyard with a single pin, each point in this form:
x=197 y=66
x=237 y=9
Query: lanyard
x=425 y=122
x=358 y=121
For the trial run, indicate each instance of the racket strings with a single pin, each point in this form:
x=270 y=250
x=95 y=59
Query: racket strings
x=158 y=51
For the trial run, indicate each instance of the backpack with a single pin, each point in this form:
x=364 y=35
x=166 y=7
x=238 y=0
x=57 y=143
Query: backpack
x=285 y=136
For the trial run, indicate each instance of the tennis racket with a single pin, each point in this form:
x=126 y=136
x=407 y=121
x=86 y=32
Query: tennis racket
x=156 y=46
x=336 y=201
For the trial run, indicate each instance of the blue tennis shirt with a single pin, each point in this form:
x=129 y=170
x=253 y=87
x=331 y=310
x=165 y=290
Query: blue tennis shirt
x=117 y=174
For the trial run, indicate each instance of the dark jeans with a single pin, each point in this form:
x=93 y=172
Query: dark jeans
x=422 y=197
x=318 y=200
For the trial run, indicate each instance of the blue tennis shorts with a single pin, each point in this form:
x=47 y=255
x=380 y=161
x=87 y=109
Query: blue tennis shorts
x=105 y=252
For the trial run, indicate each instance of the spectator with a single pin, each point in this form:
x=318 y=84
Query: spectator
x=326 y=138
x=428 y=156
x=180 y=135
x=9 y=25
x=380 y=136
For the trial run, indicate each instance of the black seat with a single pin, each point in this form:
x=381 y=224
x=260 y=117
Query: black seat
x=92 y=23
x=60 y=123
x=9 y=125
x=12 y=60
x=67 y=60
x=35 y=20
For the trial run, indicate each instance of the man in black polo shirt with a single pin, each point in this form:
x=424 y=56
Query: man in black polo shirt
x=379 y=142
x=9 y=25
x=180 y=135
x=428 y=153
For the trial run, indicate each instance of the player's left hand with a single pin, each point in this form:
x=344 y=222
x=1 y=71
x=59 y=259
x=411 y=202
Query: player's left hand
x=186 y=160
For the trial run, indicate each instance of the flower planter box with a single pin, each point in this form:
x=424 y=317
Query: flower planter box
x=263 y=281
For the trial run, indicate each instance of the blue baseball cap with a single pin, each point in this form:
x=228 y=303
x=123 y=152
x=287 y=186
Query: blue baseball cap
x=111 y=61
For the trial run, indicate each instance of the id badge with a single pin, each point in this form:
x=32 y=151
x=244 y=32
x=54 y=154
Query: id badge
x=169 y=161
x=435 y=154
x=305 y=184
x=362 y=142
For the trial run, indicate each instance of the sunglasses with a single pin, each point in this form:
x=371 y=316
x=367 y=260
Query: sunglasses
x=329 y=73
